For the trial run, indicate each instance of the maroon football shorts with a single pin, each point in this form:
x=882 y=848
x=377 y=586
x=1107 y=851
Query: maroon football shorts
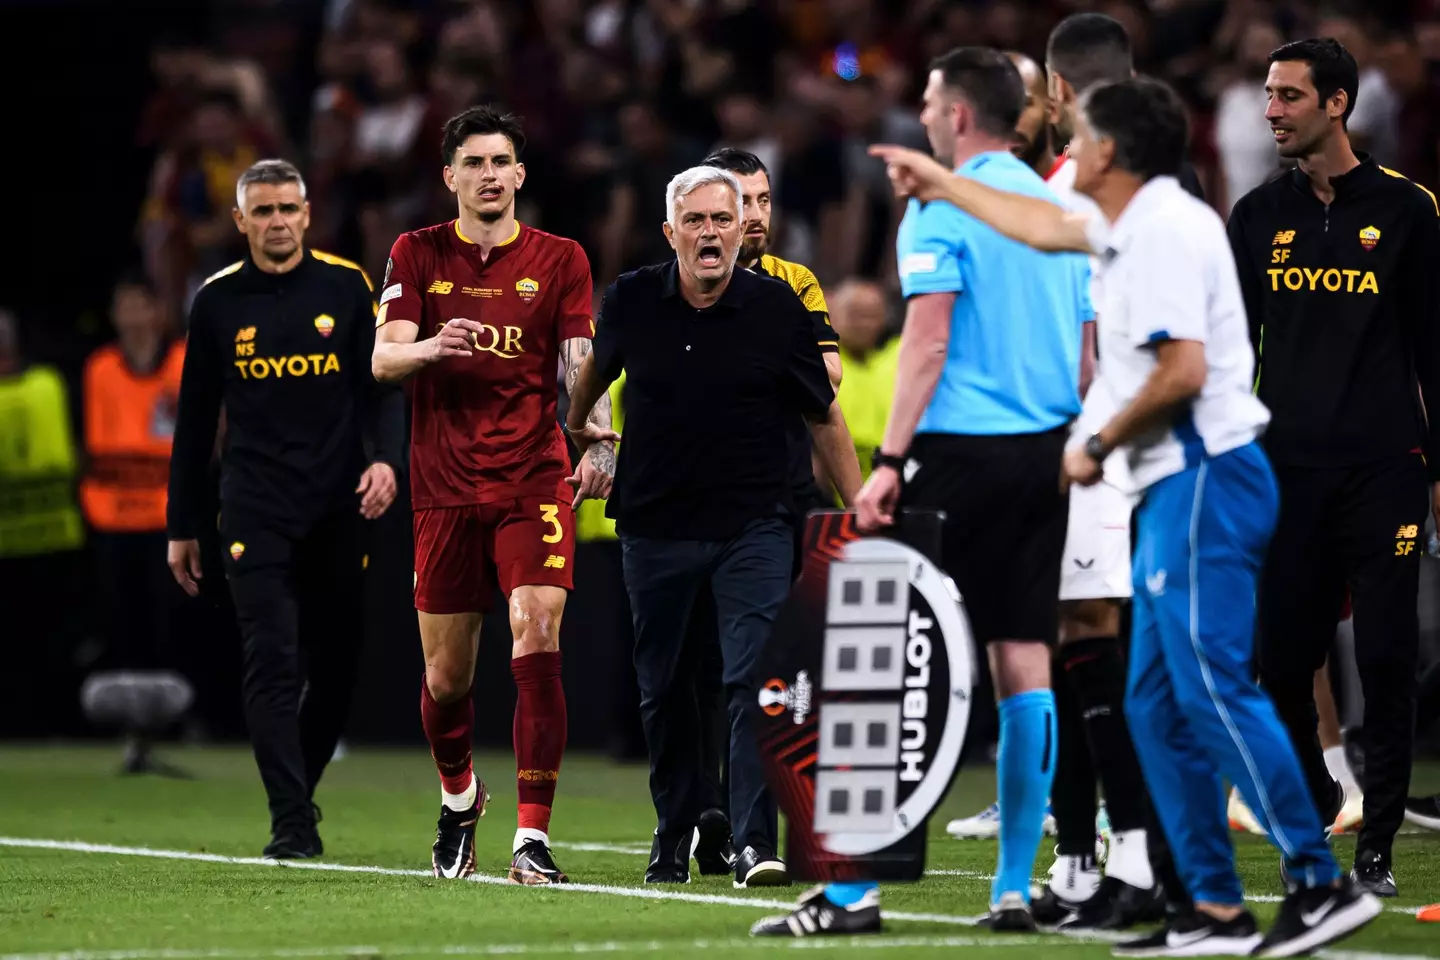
x=462 y=553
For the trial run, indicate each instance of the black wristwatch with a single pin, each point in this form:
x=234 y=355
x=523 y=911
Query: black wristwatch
x=1095 y=448
x=880 y=459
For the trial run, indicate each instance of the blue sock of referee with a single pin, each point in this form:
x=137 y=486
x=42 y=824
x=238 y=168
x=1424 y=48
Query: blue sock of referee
x=847 y=894
x=1025 y=766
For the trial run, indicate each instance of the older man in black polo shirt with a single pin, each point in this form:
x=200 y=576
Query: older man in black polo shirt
x=717 y=362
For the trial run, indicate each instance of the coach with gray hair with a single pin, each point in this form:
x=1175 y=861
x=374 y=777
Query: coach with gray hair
x=717 y=362
x=312 y=446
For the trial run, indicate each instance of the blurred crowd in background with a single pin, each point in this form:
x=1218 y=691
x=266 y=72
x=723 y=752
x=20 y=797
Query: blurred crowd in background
x=616 y=96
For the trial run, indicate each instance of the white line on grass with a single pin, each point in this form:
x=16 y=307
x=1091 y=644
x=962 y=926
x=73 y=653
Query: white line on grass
x=608 y=946
x=642 y=893
x=630 y=848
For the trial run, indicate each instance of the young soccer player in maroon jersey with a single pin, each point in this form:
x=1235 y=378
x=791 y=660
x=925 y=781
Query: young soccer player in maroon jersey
x=497 y=304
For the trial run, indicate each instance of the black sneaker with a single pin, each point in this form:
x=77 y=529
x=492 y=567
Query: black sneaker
x=670 y=858
x=534 y=866
x=293 y=845
x=1117 y=905
x=1314 y=916
x=816 y=915
x=1011 y=915
x=1196 y=935
x=1050 y=909
x=453 y=854
x=714 y=849
x=760 y=868
x=1372 y=873
x=1424 y=811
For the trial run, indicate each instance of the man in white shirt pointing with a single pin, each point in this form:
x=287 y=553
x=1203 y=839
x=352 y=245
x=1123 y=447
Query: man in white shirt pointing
x=1176 y=370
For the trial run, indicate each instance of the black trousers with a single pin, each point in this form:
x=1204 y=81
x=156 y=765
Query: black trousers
x=300 y=603
x=749 y=579
x=709 y=687
x=1363 y=527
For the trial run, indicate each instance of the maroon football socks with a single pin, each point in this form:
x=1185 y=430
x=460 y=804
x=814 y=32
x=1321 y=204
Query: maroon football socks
x=539 y=735
x=448 y=728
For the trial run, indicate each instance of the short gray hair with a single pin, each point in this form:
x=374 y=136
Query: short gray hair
x=273 y=172
x=687 y=182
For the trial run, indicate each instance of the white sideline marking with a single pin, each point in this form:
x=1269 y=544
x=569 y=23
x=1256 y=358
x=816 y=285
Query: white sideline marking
x=630 y=848
x=608 y=946
x=510 y=949
x=641 y=893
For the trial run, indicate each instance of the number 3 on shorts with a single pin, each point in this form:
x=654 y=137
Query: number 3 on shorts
x=550 y=513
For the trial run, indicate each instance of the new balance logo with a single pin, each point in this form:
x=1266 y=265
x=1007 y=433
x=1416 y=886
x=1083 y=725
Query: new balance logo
x=1408 y=532
x=554 y=562
x=440 y=286
x=1284 y=237
x=1084 y=564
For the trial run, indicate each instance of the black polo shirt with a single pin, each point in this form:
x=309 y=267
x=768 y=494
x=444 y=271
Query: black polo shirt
x=708 y=398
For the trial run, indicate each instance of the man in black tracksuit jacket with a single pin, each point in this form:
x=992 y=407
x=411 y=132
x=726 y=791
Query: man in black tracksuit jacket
x=282 y=341
x=1339 y=261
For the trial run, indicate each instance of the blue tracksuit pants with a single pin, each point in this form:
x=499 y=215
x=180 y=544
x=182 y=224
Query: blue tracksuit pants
x=1196 y=713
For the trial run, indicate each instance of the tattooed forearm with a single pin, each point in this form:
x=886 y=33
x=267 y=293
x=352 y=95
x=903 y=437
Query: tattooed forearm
x=575 y=351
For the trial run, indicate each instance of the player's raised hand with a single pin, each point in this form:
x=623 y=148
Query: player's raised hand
x=912 y=173
x=455 y=339
x=184 y=559
x=377 y=490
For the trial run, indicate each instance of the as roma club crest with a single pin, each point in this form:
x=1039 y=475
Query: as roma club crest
x=325 y=324
x=237 y=550
x=526 y=289
x=1369 y=237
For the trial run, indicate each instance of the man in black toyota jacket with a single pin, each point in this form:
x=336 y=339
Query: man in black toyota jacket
x=1339 y=261
x=312 y=443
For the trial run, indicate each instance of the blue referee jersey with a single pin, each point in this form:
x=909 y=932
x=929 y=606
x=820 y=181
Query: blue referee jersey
x=1013 y=363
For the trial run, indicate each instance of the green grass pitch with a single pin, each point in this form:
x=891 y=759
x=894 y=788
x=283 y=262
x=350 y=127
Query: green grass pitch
x=96 y=899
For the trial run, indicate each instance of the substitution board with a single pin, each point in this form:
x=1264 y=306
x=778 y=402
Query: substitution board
x=865 y=692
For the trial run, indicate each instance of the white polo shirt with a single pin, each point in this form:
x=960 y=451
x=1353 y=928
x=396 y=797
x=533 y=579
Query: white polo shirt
x=1167 y=273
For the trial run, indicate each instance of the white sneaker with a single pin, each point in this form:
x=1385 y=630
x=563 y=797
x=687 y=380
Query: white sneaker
x=1352 y=815
x=985 y=825
x=1240 y=816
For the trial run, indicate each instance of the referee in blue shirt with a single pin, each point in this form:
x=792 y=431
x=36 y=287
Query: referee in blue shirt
x=988 y=384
